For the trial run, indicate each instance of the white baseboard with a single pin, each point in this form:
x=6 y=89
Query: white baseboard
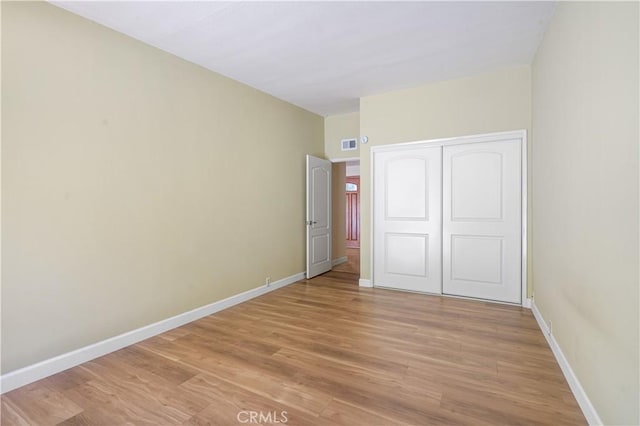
x=32 y=373
x=339 y=261
x=365 y=283
x=579 y=393
x=527 y=303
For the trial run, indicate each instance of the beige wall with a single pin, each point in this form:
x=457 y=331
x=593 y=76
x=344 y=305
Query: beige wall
x=585 y=205
x=338 y=208
x=338 y=127
x=136 y=186
x=492 y=102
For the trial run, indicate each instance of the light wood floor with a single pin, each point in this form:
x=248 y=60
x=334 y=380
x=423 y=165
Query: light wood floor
x=352 y=265
x=327 y=353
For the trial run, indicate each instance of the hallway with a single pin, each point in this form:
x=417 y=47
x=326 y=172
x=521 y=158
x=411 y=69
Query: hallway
x=352 y=265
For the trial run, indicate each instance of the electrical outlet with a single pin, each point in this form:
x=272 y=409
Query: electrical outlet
x=267 y=281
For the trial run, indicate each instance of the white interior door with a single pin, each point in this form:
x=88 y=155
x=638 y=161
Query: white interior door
x=318 y=221
x=407 y=215
x=482 y=220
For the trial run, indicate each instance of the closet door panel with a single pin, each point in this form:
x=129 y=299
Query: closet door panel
x=407 y=216
x=481 y=208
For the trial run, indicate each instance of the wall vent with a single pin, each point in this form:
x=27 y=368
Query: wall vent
x=349 y=144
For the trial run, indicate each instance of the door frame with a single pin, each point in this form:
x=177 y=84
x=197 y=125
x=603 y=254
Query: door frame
x=346 y=160
x=459 y=140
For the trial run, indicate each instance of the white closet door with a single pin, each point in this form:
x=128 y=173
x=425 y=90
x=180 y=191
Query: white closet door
x=482 y=220
x=407 y=231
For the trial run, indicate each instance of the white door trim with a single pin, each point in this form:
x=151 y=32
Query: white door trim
x=344 y=160
x=486 y=137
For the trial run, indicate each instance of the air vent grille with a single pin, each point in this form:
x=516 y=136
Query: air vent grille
x=349 y=144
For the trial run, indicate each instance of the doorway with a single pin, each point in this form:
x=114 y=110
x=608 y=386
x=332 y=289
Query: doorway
x=346 y=215
x=352 y=199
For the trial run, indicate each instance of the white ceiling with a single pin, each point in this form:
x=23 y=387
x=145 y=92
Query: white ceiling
x=324 y=56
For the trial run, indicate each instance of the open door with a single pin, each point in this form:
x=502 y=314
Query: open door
x=318 y=221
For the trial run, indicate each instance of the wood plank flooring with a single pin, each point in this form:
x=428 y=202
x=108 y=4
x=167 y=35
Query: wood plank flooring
x=352 y=264
x=319 y=352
